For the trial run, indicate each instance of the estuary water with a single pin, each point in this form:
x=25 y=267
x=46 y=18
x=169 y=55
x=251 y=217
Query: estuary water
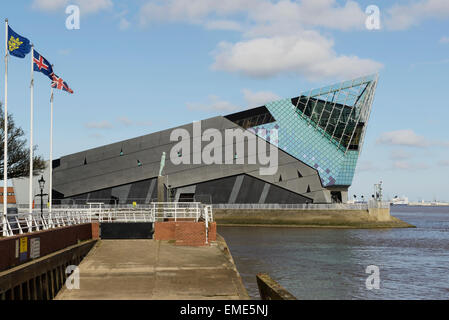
x=331 y=263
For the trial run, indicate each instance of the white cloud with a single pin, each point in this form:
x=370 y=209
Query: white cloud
x=408 y=138
x=326 y=13
x=49 y=5
x=191 y=11
x=404 y=16
x=86 y=6
x=444 y=40
x=99 y=125
x=259 y=98
x=406 y=165
x=96 y=136
x=144 y=123
x=366 y=166
x=275 y=36
x=124 y=24
x=403 y=138
x=308 y=54
x=400 y=154
x=124 y=120
x=252 y=99
x=289 y=17
x=214 y=104
x=444 y=163
x=223 y=25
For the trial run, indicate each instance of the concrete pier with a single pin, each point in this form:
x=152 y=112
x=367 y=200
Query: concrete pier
x=369 y=219
x=151 y=269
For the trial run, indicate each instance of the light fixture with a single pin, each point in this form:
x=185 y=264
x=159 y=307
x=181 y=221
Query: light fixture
x=41 y=182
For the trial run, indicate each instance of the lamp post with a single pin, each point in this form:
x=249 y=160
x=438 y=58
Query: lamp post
x=42 y=194
x=378 y=191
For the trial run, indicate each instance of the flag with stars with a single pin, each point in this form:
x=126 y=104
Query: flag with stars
x=41 y=64
x=18 y=46
x=60 y=84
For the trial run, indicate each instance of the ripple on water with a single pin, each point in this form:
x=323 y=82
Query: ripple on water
x=331 y=263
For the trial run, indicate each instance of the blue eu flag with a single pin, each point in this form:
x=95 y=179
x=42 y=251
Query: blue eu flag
x=18 y=46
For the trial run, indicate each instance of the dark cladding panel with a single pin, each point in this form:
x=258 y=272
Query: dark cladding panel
x=139 y=191
x=126 y=230
x=101 y=195
x=280 y=195
x=79 y=199
x=153 y=196
x=250 y=190
x=219 y=189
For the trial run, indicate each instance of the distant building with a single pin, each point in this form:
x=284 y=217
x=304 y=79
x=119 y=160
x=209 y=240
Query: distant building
x=22 y=187
x=11 y=197
x=319 y=138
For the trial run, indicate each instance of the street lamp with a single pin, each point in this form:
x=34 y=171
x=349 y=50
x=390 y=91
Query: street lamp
x=42 y=194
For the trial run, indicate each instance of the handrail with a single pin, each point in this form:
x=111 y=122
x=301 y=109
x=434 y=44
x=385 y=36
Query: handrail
x=24 y=222
x=305 y=206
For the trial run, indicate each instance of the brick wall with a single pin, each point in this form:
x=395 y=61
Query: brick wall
x=95 y=230
x=190 y=234
x=213 y=231
x=185 y=233
x=164 y=230
x=50 y=241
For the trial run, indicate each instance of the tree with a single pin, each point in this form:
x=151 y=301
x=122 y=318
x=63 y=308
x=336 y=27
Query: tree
x=18 y=151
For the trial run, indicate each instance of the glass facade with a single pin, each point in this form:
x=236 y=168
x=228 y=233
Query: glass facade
x=324 y=127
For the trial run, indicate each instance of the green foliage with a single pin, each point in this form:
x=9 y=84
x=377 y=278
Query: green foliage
x=18 y=151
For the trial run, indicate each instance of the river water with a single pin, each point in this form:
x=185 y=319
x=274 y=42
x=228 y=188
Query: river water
x=331 y=263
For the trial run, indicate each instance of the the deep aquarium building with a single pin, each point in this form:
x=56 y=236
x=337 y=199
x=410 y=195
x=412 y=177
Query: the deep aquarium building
x=318 y=137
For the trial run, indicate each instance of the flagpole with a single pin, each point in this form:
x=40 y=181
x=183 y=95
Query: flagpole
x=30 y=205
x=5 y=159
x=50 y=191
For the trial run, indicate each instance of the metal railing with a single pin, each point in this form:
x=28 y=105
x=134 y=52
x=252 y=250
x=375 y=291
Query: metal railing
x=20 y=223
x=304 y=206
x=24 y=222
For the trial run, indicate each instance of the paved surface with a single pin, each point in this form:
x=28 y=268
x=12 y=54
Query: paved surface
x=151 y=269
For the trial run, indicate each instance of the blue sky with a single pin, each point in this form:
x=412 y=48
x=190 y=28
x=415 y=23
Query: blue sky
x=142 y=66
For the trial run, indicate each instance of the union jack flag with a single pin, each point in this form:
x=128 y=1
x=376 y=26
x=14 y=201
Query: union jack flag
x=60 y=84
x=41 y=64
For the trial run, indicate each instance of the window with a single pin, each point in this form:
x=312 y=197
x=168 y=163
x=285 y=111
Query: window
x=252 y=117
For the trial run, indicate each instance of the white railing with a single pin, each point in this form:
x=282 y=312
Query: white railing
x=19 y=223
x=24 y=222
x=305 y=206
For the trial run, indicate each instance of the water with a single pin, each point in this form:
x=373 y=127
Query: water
x=331 y=263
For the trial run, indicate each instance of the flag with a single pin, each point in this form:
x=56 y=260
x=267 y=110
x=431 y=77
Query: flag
x=41 y=64
x=18 y=46
x=60 y=84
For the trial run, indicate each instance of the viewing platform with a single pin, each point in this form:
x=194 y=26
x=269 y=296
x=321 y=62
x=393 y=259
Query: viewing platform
x=152 y=269
x=165 y=251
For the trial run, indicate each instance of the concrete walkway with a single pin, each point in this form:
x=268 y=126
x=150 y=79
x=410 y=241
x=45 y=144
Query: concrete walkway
x=150 y=269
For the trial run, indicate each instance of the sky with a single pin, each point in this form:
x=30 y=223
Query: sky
x=141 y=66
